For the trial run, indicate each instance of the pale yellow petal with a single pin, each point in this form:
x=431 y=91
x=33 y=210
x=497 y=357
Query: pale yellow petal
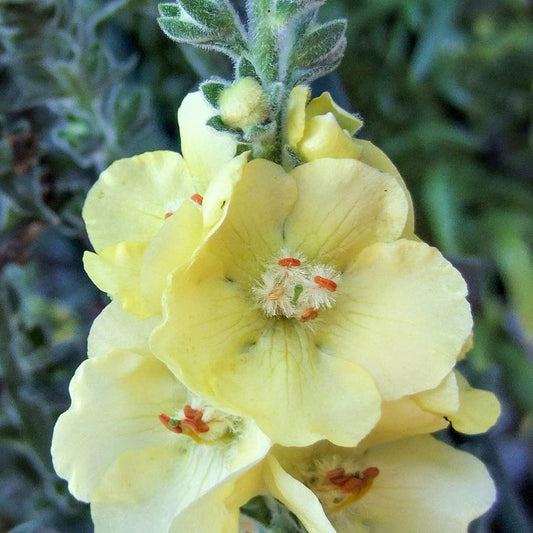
x=131 y=197
x=116 y=270
x=116 y=401
x=218 y=194
x=401 y=313
x=373 y=156
x=443 y=399
x=421 y=483
x=297 y=497
x=149 y=489
x=323 y=137
x=205 y=149
x=252 y=232
x=343 y=206
x=218 y=510
x=170 y=248
x=478 y=411
x=400 y=419
x=325 y=104
x=295 y=124
x=114 y=329
x=266 y=369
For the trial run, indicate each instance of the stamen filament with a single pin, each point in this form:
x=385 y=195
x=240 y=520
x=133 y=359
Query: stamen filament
x=276 y=293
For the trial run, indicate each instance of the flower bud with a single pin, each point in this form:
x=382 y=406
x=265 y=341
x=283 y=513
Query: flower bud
x=243 y=104
x=320 y=128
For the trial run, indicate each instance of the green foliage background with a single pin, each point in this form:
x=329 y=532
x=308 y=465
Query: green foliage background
x=444 y=87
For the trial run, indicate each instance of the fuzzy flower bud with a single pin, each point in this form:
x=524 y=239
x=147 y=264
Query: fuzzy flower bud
x=243 y=104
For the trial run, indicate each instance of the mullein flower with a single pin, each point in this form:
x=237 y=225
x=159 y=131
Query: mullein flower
x=412 y=484
x=136 y=198
x=305 y=298
x=137 y=444
x=396 y=474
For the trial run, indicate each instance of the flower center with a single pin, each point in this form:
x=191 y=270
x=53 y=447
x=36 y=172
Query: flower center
x=338 y=487
x=293 y=287
x=351 y=487
x=202 y=423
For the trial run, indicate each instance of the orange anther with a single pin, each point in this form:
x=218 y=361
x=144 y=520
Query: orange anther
x=351 y=484
x=289 y=262
x=193 y=414
x=195 y=426
x=355 y=485
x=370 y=472
x=168 y=214
x=328 y=284
x=276 y=293
x=308 y=314
x=165 y=420
x=197 y=198
x=193 y=420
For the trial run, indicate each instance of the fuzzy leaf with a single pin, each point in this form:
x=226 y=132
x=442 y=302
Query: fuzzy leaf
x=327 y=42
x=184 y=32
x=245 y=69
x=217 y=123
x=300 y=76
x=208 y=12
x=211 y=91
x=204 y=23
x=169 y=10
x=288 y=9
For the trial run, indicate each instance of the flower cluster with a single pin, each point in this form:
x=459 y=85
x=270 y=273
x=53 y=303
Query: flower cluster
x=273 y=330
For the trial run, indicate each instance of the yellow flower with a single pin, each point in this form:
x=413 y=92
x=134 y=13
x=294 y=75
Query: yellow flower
x=321 y=129
x=304 y=300
x=138 y=198
x=139 y=446
x=414 y=484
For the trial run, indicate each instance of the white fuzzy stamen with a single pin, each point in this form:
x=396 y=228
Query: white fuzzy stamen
x=288 y=288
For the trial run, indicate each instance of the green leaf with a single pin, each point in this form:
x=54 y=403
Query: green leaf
x=184 y=32
x=218 y=124
x=245 y=69
x=288 y=9
x=326 y=43
x=308 y=75
x=211 y=91
x=169 y=10
x=208 y=13
x=205 y=23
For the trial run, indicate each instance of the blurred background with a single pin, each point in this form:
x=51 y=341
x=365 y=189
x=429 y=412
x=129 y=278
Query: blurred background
x=445 y=89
